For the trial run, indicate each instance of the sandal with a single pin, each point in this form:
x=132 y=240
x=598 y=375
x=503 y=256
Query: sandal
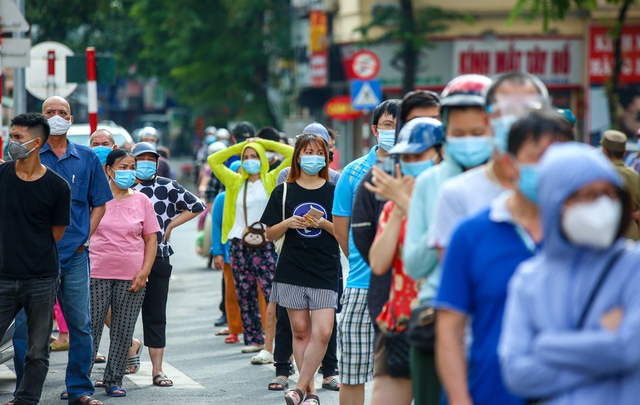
x=232 y=338
x=283 y=383
x=64 y=395
x=264 y=357
x=99 y=384
x=223 y=332
x=332 y=385
x=289 y=396
x=111 y=391
x=134 y=361
x=161 y=380
x=311 y=400
x=89 y=400
x=100 y=358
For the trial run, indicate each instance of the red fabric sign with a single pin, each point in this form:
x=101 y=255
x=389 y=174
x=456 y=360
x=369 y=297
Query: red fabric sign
x=600 y=62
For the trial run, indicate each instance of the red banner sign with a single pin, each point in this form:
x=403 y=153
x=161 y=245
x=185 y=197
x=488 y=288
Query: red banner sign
x=318 y=45
x=600 y=64
x=339 y=108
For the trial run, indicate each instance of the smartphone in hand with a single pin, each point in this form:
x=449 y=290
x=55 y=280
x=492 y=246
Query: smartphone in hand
x=315 y=213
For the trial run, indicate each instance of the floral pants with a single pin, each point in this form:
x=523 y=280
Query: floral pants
x=250 y=267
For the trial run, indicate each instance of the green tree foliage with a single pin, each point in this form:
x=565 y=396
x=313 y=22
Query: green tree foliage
x=551 y=10
x=412 y=28
x=215 y=54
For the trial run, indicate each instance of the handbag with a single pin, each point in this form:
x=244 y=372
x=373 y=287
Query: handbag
x=254 y=236
x=280 y=242
x=587 y=307
x=398 y=351
x=422 y=328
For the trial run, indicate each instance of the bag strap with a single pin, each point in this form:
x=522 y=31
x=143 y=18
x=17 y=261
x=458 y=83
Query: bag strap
x=284 y=199
x=607 y=269
x=244 y=203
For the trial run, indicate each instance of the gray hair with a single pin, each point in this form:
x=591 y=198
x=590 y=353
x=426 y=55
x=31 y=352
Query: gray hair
x=109 y=135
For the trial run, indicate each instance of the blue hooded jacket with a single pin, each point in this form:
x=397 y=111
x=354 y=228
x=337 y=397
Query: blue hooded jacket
x=542 y=353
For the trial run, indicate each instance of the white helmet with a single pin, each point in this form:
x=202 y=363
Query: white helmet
x=210 y=130
x=147 y=131
x=216 y=147
x=222 y=133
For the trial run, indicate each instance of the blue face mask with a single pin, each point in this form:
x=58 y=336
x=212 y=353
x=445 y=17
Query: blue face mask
x=528 y=183
x=209 y=139
x=415 y=168
x=387 y=138
x=145 y=169
x=469 y=151
x=102 y=152
x=124 y=178
x=501 y=127
x=312 y=164
x=252 y=166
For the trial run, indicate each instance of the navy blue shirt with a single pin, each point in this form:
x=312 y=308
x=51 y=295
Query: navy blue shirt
x=81 y=168
x=484 y=252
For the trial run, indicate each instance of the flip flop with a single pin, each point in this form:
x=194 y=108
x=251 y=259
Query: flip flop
x=332 y=385
x=284 y=384
x=100 y=358
x=311 y=400
x=57 y=347
x=232 y=338
x=99 y=384
x=134 y=361
x=223 y=332
x=111 y=391
x=64 y=395
x=87 y=402
x=160 y=379
x=288 y=396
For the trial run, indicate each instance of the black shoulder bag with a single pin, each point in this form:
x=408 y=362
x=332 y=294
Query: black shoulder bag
x=585 y=311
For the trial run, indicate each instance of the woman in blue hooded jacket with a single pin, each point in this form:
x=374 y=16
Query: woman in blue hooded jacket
x=544 y=351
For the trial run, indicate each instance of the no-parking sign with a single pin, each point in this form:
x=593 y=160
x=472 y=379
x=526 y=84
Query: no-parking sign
x=365 y=65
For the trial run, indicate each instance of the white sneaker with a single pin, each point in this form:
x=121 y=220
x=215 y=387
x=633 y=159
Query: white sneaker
x=264 y=357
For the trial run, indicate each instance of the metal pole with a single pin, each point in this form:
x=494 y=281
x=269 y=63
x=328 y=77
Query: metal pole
x=51 y=73
x=92 y=88
x=19 y=89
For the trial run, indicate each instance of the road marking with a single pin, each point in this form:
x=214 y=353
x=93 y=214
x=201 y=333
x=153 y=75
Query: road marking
x=143 y=378
x=7 y=380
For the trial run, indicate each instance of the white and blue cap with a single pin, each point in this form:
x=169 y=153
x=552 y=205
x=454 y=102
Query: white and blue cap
x=317 y=128
x=418 y=135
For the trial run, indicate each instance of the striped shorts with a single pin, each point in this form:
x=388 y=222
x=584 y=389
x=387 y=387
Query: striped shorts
x=297 y=297
x=355 y=337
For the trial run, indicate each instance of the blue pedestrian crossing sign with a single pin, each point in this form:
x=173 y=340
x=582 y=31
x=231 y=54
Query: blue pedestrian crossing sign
x=365 y=94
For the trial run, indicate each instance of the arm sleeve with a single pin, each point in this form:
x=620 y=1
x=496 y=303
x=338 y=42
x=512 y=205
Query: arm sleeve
x=598 y=351
x=99 y=190
x=217 y=160
x=62 y=210
x=456 y=290
x=449 y=211
x=150 y=224
x=419 y=261
x=217 y=248
x=343 y=197
x=185 y=199
x=272 y=214
x=364 y=220
x=524 y=373
x=285 y=150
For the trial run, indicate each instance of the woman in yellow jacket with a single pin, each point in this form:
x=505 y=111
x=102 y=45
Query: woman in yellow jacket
x=247 y=195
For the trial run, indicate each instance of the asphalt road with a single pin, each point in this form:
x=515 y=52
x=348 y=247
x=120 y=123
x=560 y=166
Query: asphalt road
x=204 y=369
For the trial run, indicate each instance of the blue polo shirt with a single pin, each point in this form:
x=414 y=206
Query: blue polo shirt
x=81 y=168
x=345 y=194
x=484 y=252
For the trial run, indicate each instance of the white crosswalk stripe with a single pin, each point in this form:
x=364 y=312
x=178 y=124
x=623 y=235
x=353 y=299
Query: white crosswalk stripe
x=143 y=378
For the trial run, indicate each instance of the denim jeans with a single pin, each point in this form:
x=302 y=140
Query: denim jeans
x=37 y=297
x=19 y=347
x=73 y=296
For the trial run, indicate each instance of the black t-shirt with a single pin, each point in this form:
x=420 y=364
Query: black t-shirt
x=310 y=257
x=364 y=225
x=28 y=210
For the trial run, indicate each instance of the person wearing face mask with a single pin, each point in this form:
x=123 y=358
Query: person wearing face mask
x=484 y=252
x=464 y=117
x=306 y=279
x=364 y=221
x=35 y=213
x=81 y=168
x=150 y=134
x=247 y=196
x=102 y=142
x=127 y=244
x=571 y=322
x=174 y=207
x=418 y=144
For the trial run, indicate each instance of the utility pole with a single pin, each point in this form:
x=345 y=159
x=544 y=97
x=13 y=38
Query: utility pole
x=19 y=89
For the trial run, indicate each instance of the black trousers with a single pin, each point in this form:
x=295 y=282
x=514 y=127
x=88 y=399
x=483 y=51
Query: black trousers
x=284 y=347
x=154 y=307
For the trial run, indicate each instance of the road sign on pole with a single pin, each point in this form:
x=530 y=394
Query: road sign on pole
x=15 y=52
x=365 y=94
x=37 y=72
x=12 y=18
x=365 y=65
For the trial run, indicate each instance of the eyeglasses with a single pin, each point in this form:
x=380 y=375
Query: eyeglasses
x=386 y=126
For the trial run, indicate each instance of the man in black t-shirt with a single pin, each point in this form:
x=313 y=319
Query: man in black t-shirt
x=36 y=209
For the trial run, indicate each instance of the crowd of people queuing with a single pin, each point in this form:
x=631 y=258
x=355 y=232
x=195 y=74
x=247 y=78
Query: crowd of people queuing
x=489 y=252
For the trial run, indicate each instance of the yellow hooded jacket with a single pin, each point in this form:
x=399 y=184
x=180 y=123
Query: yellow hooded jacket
x=233 y=181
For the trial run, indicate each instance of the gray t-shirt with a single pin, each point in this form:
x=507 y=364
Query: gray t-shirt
x=282 y=177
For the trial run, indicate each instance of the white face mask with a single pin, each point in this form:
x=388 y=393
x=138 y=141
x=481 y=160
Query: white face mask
x=593 y=224
x=270 y=155
x=58 y=125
